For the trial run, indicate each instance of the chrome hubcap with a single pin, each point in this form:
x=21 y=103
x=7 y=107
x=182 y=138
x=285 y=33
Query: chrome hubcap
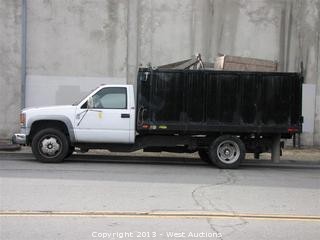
x=228 y=152
x=50 y=146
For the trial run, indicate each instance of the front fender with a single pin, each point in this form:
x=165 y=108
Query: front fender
x=60 y=118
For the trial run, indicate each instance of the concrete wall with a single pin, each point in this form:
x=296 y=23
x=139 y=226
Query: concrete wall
x=73 y=46
x=10 y=66
x=86 y=42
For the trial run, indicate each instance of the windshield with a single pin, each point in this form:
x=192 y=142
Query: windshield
x=83 y=96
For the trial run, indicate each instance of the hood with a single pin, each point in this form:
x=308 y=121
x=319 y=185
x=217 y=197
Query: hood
x=51 y=110
x=57 y=107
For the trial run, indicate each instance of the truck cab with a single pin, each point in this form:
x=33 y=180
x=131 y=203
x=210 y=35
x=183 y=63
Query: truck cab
x=110 y=118
x=106 y=115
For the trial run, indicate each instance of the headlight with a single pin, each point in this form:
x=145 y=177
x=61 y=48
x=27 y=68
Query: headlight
x=22 y=119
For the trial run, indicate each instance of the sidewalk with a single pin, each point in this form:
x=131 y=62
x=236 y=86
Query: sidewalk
x=299 y=154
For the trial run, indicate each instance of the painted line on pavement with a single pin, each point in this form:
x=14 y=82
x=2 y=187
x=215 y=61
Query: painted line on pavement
x=203 y=215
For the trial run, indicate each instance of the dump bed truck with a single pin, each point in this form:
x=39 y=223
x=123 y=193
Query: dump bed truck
x=221 y=114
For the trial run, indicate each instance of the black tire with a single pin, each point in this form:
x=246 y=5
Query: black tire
x=204 y=156
x=50 y=145
x=70 y=152
x=227 y=152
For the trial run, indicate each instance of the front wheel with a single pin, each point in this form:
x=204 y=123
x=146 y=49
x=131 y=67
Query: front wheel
x=50 y=145
x=227 y=151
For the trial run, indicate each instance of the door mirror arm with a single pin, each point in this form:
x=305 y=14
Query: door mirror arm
x=90 y=103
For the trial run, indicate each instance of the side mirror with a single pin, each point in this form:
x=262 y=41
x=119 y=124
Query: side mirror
x=90 y=103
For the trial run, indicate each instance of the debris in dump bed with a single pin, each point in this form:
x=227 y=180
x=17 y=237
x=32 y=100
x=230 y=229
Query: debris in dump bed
x=192 y=63
x=235 y=63
x=225 y=62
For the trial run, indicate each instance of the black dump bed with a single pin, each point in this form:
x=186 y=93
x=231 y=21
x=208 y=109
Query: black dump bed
x=207 y=101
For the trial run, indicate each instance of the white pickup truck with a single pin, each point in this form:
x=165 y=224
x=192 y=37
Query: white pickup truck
x=211 y=112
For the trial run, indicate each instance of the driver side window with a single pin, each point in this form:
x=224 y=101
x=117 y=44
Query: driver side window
x=110 y=98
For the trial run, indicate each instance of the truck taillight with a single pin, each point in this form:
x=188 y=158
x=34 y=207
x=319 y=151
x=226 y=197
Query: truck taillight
x=22 y=119
x=293 y=130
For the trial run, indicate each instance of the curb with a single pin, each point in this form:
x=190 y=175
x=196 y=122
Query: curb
x=9 y=147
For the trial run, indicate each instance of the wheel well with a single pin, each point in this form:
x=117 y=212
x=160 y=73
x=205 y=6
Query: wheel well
x=42 y=124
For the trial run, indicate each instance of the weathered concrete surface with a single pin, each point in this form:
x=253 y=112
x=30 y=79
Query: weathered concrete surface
x=77 y=38
x=109 y=39
x=62 y=90
x=74 y=46
x=10 y=62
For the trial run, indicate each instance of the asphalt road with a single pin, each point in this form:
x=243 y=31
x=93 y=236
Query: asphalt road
x=117 y=197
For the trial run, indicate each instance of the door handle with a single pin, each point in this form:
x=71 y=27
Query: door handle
x=125 y=115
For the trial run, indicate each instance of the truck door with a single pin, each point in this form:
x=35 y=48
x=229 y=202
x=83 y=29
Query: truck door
x=109 y=119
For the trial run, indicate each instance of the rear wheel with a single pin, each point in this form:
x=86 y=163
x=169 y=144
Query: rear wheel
x=227 y=151
x=50 y=145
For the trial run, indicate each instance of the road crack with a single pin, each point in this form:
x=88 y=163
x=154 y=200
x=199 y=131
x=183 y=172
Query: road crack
x=203 y=201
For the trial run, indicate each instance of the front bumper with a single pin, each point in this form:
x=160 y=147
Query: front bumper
x=19 y=138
